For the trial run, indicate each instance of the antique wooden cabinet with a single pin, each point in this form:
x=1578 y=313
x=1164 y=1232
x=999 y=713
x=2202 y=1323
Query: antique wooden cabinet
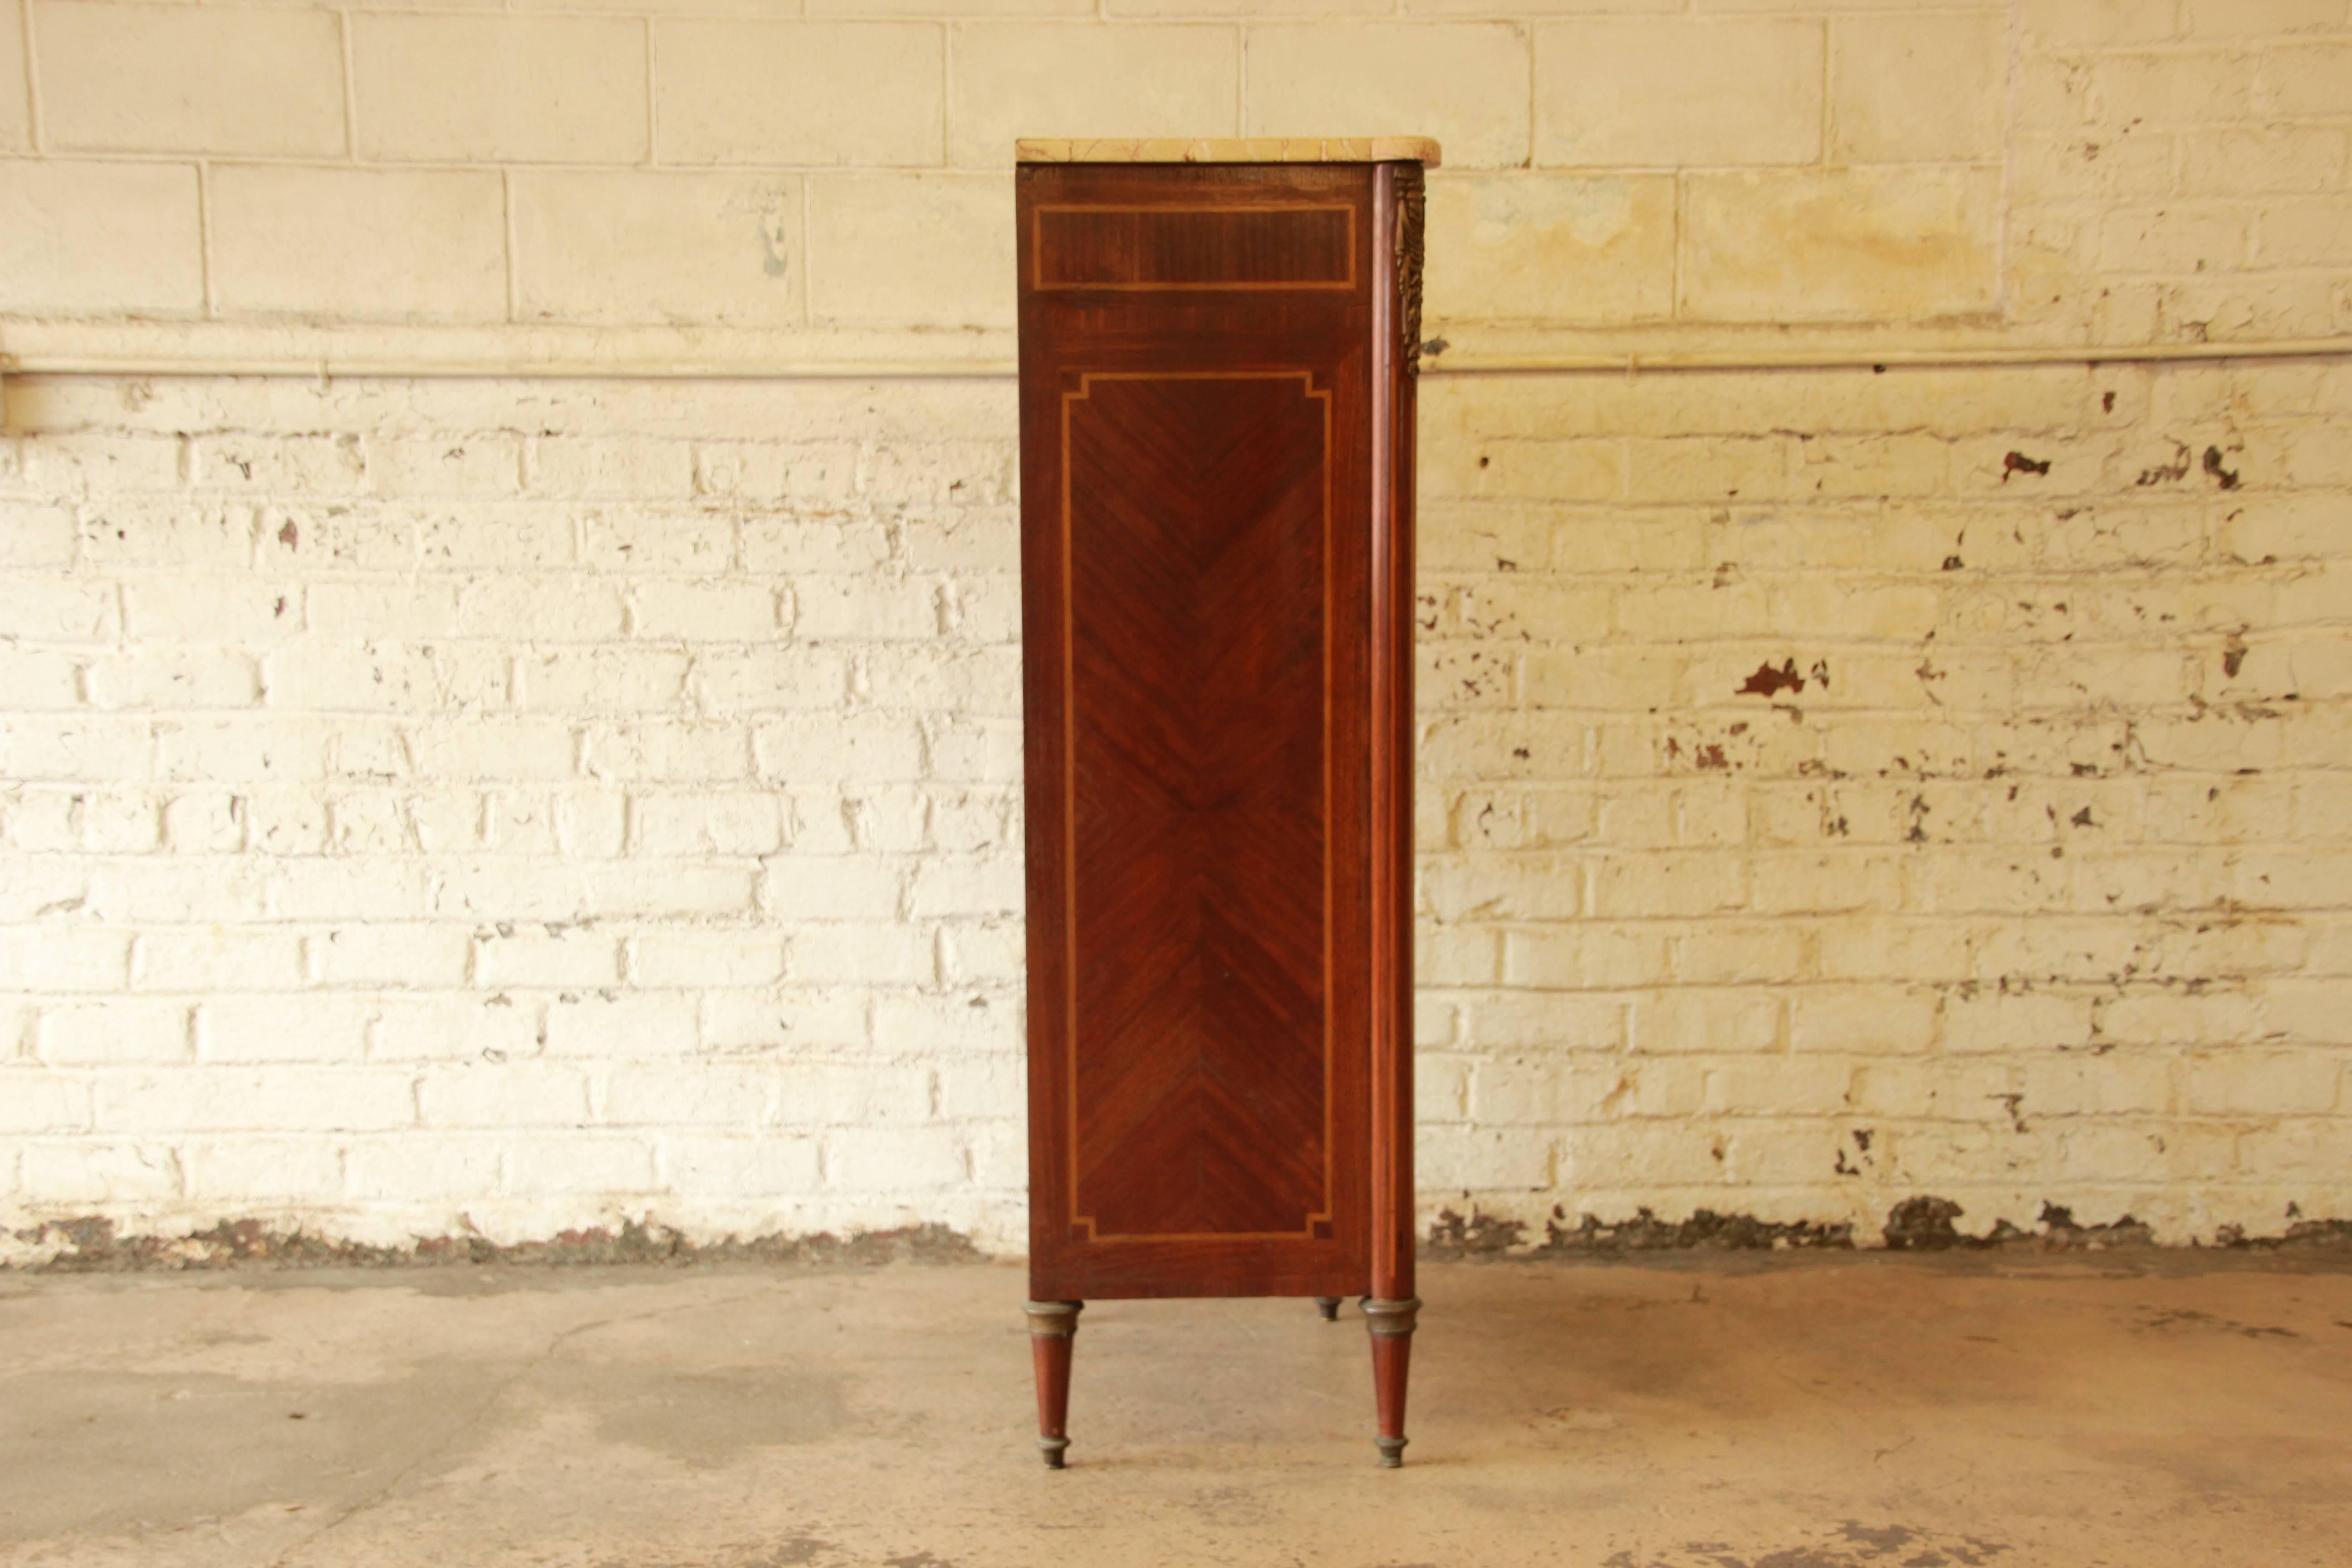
x=1218 y=347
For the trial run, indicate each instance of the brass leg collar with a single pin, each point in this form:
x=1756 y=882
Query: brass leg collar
x=1054 y=1319
x=1386 y=1317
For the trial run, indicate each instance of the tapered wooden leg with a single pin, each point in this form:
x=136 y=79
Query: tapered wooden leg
x=1329 y=1307
x=1053 y=1328
x=1392 y=1325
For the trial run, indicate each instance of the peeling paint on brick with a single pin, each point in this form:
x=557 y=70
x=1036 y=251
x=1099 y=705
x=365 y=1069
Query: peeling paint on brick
x=92 y=1245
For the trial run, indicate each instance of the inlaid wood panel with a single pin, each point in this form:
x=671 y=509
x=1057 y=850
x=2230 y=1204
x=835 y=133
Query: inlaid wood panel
x=1307 y=245
x=1197 y=504
x=1211 y=661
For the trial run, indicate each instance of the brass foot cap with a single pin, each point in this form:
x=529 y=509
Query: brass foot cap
x=1050 y=1449
x=1391 y=1452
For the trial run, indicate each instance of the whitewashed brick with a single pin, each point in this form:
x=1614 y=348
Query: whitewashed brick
x=147 y=888
x=946 y=1026
x=481 y=88
x=889 y=819
x=322 y=1028
x=111 y=1033
x=174 y=78
x=454 y=1026
x=61 y=960
x=659 y=750
x=32 y=534
x=138 y=531
x=698 y=958
x=65 y=746
x=794 y=1020
x=866 y=747
x=509 y=1094
x=889 y=1161
x=621 y=1025
x=485 y=465
x=968 y=750
x=392 y=954
x=41 y=679
x=833 y=608
x=1863 y=1020
x=728 y=823
x=1552 y=1020
x=597 y=466
x=550 y=955
x=2267 y=1084
x=578 y=1165
x=2306 y=80
x=175 y=678
x=769 y=1165
x=32 y=1101
x=809 y=472
x=399 y=1170
x=947 y=473
x=830 y=888
x=303 y=466
x=670 y=890
x=944 y=885
x=704 y=1094
x=496 y=749
x=944 y=680
x=705 y=612
x=102 y=821
x=1491 y=1160
x=223 y=1099
x=884 y=953
x=214 y=960
x=103 y=1173
x=700 y=542
x=1705 y=1020
x=229 y=1171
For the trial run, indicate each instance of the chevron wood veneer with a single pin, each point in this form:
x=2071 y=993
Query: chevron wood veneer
x=1216 y=423
x=1195 y=795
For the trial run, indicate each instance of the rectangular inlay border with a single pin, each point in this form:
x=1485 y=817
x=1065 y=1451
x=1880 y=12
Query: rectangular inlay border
x=1040 y=249
x=1318 y=1224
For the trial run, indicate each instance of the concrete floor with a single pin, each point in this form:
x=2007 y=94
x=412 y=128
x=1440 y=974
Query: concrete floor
x=2149 y=1410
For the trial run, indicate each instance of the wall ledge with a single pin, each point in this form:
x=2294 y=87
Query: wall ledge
x=656 y=354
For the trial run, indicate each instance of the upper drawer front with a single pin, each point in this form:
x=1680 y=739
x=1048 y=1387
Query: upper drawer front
x=1259 y=248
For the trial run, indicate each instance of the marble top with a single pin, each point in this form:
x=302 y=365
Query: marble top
x=1229 y=149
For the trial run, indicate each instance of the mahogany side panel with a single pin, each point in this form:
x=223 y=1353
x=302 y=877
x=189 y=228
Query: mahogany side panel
x=1210 y=624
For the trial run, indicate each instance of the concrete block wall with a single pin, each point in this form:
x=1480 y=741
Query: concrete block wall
x=480 y=794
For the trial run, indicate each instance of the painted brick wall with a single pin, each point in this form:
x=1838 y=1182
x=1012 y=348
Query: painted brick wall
x=1919 y=783
x=516 y=802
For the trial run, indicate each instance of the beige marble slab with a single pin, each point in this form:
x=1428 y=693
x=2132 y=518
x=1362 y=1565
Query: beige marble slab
x=1230 y=149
